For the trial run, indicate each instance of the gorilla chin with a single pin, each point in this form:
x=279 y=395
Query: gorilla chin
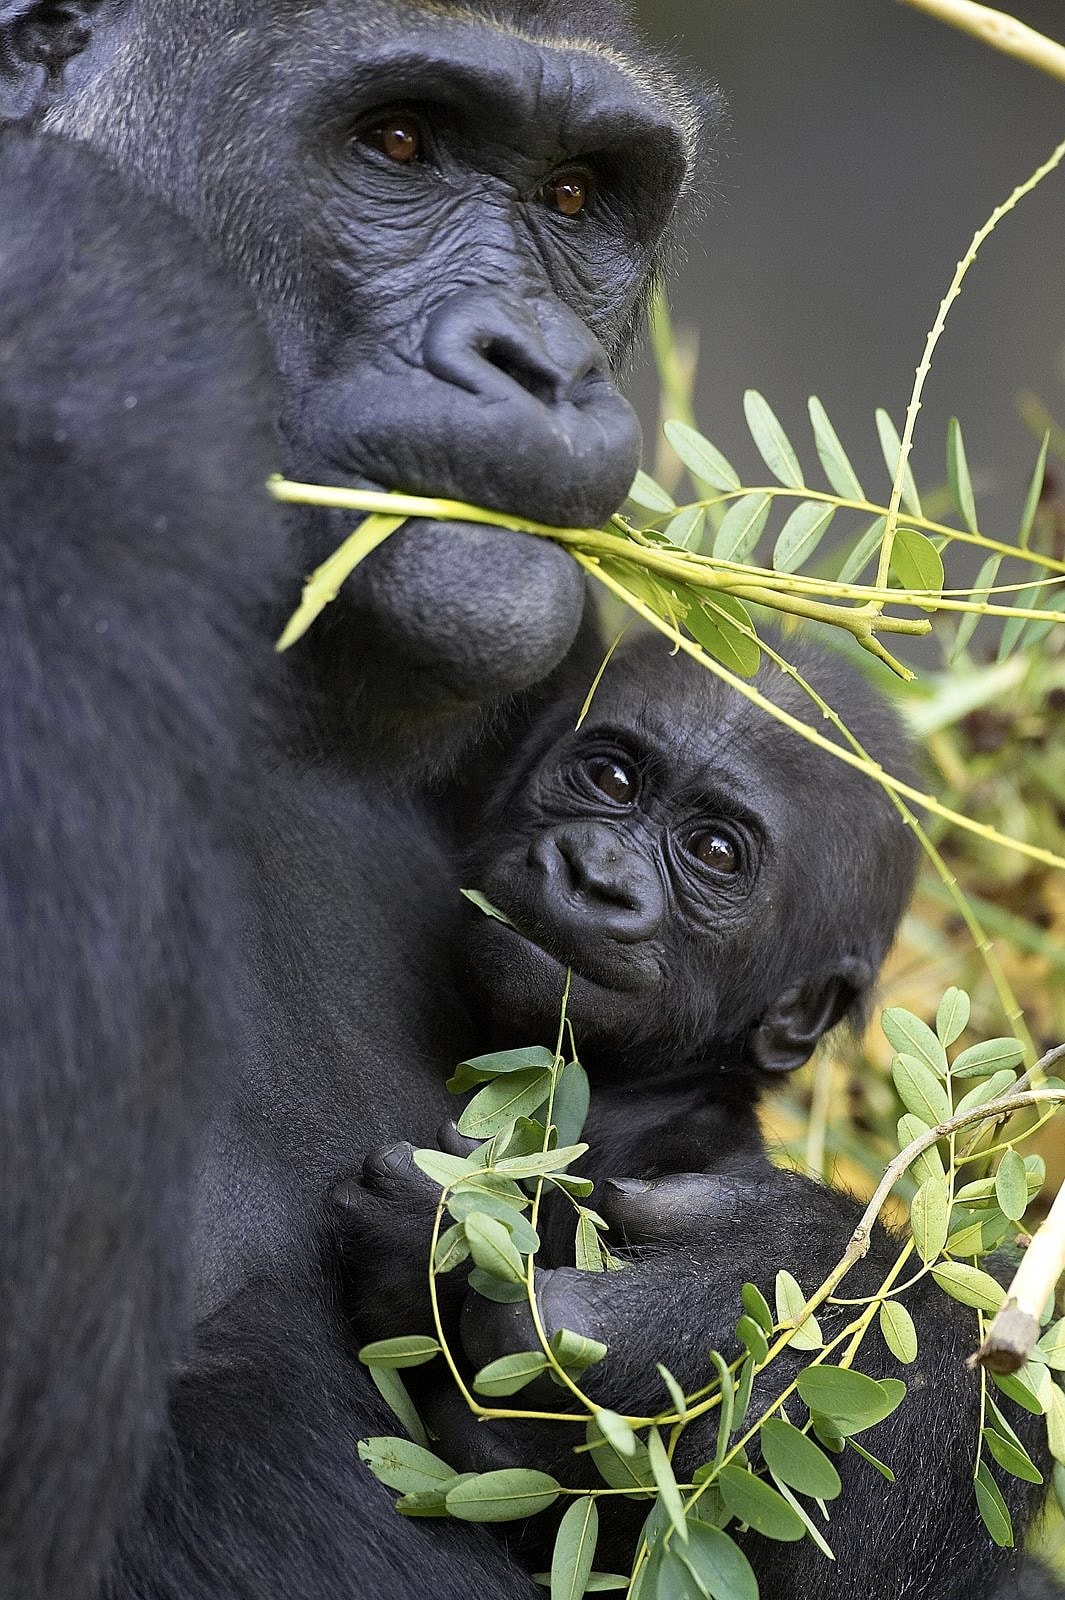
x=520 y=978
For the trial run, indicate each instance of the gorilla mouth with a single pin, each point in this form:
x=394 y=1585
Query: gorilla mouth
x=612 y=972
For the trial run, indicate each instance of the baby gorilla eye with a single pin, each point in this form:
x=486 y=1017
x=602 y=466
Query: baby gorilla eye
x=569 y=193
x=714 y=849
x=614 y=780
x=398 y=137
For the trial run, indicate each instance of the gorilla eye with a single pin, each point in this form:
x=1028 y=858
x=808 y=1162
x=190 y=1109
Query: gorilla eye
x=613 y=780
x=713 y=849
x=399 y=138
x=569 y=192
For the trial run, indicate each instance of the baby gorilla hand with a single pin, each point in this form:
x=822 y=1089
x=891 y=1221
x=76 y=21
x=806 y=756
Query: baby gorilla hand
x=382 y=1224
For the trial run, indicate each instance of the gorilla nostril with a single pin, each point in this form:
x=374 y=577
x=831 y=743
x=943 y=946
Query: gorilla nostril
x=538 y=378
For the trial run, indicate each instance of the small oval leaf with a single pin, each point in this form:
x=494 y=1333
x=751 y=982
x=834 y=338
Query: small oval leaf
x=797 y=1461
x=801 y=535
x=505 y=1496
x=741 y=527
x=574 y=1553
x=754 y=1501
x=1011 y=1186
x=648 y=494
x=969 y=1285
x=930 y=1218
x=702 y=459
x=774 y=446
x=834 y=460
x=898 y=1330
x=952 y=1017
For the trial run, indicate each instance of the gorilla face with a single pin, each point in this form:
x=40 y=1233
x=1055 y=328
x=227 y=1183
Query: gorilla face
x=450 y=224
x=711 y=881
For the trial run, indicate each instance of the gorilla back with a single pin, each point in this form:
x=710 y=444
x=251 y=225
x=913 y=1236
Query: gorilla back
x=136 y=427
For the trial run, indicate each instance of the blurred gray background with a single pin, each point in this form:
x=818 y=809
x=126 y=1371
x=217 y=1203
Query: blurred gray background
x=866 y=143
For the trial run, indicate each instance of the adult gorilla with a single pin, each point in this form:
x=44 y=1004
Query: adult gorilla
x=445 y=217
x=225 y=935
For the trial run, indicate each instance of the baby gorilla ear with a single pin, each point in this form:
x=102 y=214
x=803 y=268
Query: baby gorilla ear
x=787 y=1034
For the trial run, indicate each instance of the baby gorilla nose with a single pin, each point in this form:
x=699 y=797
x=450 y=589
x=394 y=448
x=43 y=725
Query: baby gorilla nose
x=592 y=883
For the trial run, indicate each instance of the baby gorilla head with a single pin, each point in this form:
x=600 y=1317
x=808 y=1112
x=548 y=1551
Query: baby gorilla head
x=722 y=890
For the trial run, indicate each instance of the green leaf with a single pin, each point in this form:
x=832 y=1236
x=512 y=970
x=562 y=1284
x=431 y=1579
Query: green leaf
x=801 y=534
x=726 y=1409
x=929 y=1164
x=715 y=1563
x=482 y=1068
x=741 y=527
x=572 y=1099
x=1011 y=1186
x=898 y=1330
x=794 y=1458
x=404 y=1466
x=790 y=1301
x=984 y=1093
x=757 y=1306
x=576 y=1349
x=410 y=1350
x=502 y=1101
x=1056 y=1423
x=430 y=1502
x=744 y=1386
x=755 y=1502
x=470 y=1203
x=451 y=1250
x=617 y=1431
x=476 y=898
x=580 y=1189
x=536 y=1165
x=774 y=446
x=493 y=1249
x=510 y=1373
x=676 y=1393
x=969 y=1285
x=862 y=552
x=749 y=1333
x=1052 y=1346
x=985 y=578
x=993 y=1508
x=952 y=1017
x=920 y=1090
x=588 y=1256
x=717 y=624
x=502 y=1291
x=442 y=1168
x=629 y=1470
x=1018 y=1387
x=571 y=1563
x=703 y=460
x=930 y=1218
x=837 y=468
x=891 y=445
x=393 y=1392
x=916 y=562
x=645 y=492
x=662 y=1472
x=325 y=581
x=1012 y=1457
x=1034 y=494
x=851 y=1399
x=961 y=485
x=981 y=1060
x=506 y=1496
x=909 y=1036
x=805 y=1518
x=685 y=530
x=977 y=1237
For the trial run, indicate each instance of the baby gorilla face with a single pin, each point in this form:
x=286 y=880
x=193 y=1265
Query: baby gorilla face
x=715 y=886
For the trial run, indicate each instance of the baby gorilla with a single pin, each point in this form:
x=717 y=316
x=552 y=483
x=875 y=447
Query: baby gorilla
x=721 y=892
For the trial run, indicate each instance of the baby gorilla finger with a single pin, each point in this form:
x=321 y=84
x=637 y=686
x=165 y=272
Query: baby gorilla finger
x=677 y=1209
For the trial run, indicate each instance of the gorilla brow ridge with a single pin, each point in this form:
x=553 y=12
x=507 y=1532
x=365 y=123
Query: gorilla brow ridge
x=664 y=88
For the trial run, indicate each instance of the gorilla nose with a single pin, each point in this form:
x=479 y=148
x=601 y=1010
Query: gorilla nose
x=592 y=883
x=565 y=442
